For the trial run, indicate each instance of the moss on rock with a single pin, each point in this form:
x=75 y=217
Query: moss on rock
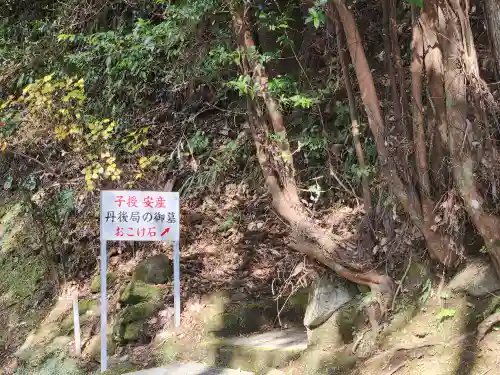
x=138 y=291
x=134 y=331
x=95 y=285
x=154 y=270
x=130 y=323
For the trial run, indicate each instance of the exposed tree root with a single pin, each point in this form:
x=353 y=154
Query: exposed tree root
x=486 y=325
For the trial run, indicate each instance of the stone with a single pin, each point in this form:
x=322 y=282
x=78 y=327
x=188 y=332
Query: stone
x=339 y=328
x=130 y=322
x=138 y=291
x=154 y=270
x=478 y=279
x=93 y=348
x=95 y=285
x=134 y=331
x=328 y=295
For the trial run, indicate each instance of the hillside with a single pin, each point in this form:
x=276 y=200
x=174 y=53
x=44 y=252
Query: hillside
x=348 y=141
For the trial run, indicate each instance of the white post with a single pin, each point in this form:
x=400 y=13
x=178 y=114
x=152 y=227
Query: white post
x=177 y=284
x=104 y=308
x=76 y=324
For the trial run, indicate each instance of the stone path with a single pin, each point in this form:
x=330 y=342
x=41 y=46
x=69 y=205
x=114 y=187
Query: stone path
x=287 y=339
x=190 y=369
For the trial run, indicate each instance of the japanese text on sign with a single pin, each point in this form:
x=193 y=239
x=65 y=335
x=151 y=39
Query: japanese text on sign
x=139 y=216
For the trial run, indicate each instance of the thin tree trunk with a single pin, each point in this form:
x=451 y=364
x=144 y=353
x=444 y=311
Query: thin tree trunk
x=398 y=113
x=344 y=62
x=396 y=50
x=417 y=68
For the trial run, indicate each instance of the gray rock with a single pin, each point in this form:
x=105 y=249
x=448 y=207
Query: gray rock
x=154 y=270
x=328 y=295
x=478 y=278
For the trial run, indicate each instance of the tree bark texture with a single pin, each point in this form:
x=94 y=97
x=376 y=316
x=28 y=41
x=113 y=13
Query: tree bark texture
x=344 y=62
x=492 y=12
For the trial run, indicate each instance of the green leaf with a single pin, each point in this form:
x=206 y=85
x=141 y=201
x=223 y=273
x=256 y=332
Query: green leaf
x=418 y=3
x=446 y=313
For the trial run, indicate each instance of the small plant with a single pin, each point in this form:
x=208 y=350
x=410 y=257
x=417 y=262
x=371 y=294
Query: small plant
x=198 y=143
x=446 y=314
x=316 y=17
x=228 y=223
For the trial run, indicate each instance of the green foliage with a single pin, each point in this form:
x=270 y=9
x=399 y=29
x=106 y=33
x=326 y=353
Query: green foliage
x=198 y=143
x=244 y=86
x=274 y=21
x=418 y=3
x=316 y=17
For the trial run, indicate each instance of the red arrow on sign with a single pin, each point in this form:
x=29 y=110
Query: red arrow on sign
x=165 y=232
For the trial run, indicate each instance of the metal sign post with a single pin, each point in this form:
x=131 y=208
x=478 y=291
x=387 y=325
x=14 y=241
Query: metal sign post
x=138 y=216
x=104 y=305
x=76 y=325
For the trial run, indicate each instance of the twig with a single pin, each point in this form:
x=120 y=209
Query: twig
x=358 y=341
x=28 y=157
x=400 y=286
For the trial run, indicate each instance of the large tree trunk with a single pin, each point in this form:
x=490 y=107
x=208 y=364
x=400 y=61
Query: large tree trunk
x=277 y=167
x=460 y=51
x=451 y=60
x=492 y=12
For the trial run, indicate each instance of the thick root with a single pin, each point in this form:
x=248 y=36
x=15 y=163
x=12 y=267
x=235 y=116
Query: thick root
x=486 y=325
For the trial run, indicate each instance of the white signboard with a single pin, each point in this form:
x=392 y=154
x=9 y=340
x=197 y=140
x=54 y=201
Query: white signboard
x=128 y=215
x=139 y=216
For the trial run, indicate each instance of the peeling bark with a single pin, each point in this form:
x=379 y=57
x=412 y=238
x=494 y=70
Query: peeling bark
x=492 y=12
x=459 y=53
x=434 y=70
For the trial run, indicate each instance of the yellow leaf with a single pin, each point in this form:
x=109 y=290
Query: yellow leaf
x=48 y=78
